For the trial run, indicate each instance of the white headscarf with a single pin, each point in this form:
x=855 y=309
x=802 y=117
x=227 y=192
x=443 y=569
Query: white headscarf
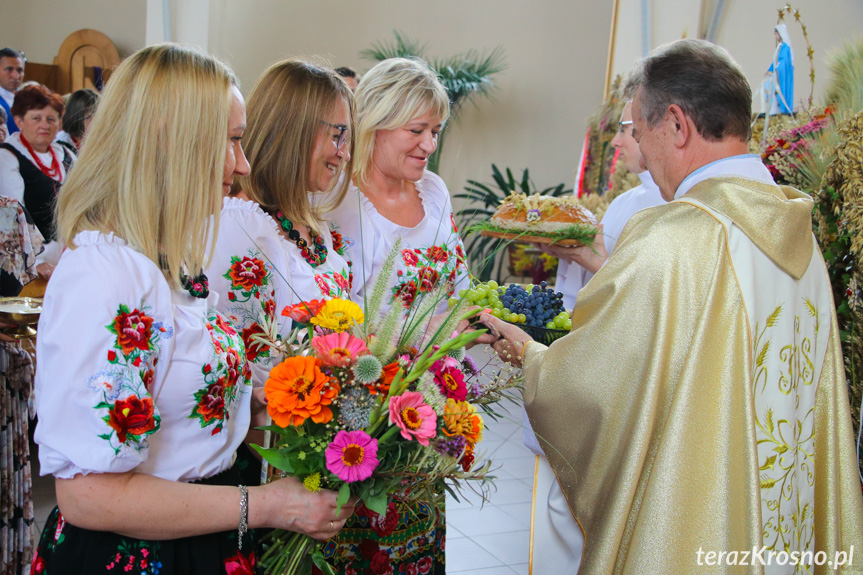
x=782 y=29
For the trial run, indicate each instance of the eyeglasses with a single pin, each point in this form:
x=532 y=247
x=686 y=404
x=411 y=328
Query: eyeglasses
x=622 y=125
x=343 y=134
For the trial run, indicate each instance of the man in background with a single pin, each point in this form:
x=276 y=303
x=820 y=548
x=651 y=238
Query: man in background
x=11 y=77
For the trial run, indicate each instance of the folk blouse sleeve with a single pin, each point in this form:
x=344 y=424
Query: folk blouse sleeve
x=105 y=336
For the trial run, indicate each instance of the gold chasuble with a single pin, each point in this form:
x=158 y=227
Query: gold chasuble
x=697 y=416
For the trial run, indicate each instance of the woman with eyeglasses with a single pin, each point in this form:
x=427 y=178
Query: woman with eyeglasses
x=276 y=249
x=142 y=391
x=401 y=109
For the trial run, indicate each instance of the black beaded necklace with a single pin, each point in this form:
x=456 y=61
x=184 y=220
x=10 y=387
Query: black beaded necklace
x=197 y=286
x=316 y=257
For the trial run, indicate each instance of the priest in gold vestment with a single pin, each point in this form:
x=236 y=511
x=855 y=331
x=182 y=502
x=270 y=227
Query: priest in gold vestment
x=697 y=416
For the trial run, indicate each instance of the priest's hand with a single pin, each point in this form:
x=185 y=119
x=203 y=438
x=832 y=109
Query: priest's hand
x=590 y=257
x=511 y=339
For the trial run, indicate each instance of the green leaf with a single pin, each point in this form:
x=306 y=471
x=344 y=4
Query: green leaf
x=780 y=449
x=344 y=495
x=321 y=563
x=377 y=503
x=284 y=460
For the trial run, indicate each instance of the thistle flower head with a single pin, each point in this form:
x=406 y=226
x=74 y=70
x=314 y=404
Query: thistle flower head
x=367 y=369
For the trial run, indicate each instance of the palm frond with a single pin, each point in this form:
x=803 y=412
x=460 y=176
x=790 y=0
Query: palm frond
x=402 y=47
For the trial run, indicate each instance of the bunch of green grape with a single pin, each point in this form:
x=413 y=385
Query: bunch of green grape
x=533 y=305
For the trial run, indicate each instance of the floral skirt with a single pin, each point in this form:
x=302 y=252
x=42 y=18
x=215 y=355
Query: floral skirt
x=67 y=549
x=409 y=540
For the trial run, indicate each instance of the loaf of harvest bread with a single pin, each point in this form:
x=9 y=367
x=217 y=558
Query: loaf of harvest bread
x=543 y=214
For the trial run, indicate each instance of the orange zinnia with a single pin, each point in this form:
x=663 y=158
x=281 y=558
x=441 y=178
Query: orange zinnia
x=461 y=418
x=297 y=390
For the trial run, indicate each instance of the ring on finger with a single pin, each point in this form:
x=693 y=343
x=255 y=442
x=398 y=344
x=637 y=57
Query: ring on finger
x=332 y=526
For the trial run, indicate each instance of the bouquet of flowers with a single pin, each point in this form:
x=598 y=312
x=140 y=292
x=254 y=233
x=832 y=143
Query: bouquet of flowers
x=376 y=405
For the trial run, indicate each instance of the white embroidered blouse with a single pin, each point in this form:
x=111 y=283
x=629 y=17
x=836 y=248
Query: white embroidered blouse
x=133 y=375
x=431 y=253
x=257 y=273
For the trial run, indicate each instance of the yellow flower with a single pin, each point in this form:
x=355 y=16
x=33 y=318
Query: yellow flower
x=461 y=418
x=339 y=315
x=313 y=482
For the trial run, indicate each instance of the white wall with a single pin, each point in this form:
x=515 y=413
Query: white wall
x=38 y=27
x=746 y=30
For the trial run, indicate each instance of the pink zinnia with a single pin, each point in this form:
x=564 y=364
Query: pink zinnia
x=415 y=418
x=450 y=379
x=352 y=455
x=339 y=349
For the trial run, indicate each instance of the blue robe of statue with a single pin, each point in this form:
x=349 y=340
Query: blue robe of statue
x=783 y=80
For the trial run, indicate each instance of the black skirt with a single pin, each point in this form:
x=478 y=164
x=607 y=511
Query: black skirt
x=65 y=549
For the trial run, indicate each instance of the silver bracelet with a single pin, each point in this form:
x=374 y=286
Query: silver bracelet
x=244 y=515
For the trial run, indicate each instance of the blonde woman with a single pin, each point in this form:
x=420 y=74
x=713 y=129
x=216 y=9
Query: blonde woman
x=142 y=389
x=276 y=250
x=401 y=109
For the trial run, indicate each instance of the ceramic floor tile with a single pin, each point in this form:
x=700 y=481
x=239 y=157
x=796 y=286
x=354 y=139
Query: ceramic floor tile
x=489 y=519
x=463 y=555
x=511 y=491
x=521 y=467
x=509 y=548
x=520 y=511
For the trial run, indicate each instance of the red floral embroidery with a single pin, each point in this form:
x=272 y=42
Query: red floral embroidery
x=38 y=565
x=380 y=563
x=338 y=242
x=247 y=273
x=133 y=330
x=424 y=565
x=411 y=569
x=428 y=279
x=410 y=258
x=253 y=349
x=212 y=403
x=322 y=285
x=385 y=525
x=452 y=221
x=437 y=254
x=147 y=377
x=132 y=416
x=406 y=292
x=226 y=326
x=341 y=280
x=270 y=308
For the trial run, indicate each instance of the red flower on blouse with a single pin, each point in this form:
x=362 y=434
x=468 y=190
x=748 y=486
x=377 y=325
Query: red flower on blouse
x=338 y=242
x=233 y=364
x=225 y=326
x=341 y=280
x=385 y=525
x=380 y=563
x=406 y=292
x=437 y=254
x=247 y=273
x=147 y=377
x=133 y=330
x=270 y=308
x=253 y=349
x=409 y=257
x=132 y=416
x=428 y=279
x=212 y=403
x=322 y=285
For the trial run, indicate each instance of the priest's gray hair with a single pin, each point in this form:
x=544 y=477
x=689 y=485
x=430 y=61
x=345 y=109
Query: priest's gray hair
x=700 y=77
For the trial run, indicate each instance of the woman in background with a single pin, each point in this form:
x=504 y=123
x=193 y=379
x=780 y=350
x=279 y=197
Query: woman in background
x=143 y=391
x=276 y=250
x=33 y=167
x=401 y=109
x=76 y=121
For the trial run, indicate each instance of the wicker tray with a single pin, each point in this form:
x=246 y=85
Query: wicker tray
x=530 y=239
x=541 y=334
